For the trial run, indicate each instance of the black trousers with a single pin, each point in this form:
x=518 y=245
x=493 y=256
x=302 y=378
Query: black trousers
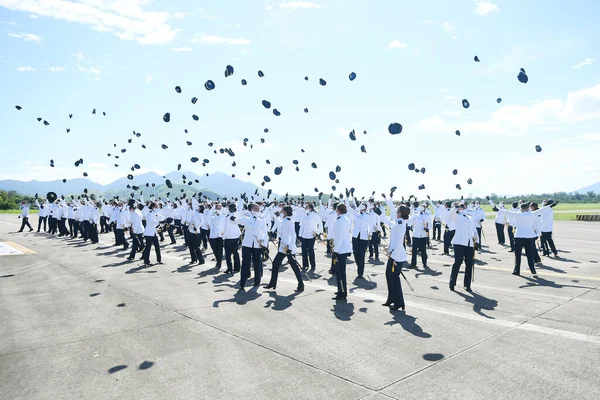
x=62 y=227
x=121 y=238
x=231 y=251
x=529 y=245
x=340 y=273
x=448 y=236
x=85 y=229
x=277 y=264
x=359 y=248
x=308 y=253
x=204 y=235
x=374 y=244
x=137 y=244
x=297 y=228
x=511 y=237
x=114 y=229
x=548 y=243
x=500 y=233
x=93 y=232
x=72 y=228
x=392 y=277
x=462 y=253
x=151 y=241
x=216 y=245
x=407 y=236
x=437 y=230
x=178 y=226
x=171 y=235
x=185 y=234
x=103 y=224
x=251 y=254
x=25 y=222
x=194 y=247
x=384 y=229
x=40 y=220
x=478 y=245
x=419 y=244
x=52 y=225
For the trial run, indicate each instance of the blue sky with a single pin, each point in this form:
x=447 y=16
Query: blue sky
x=414 y=65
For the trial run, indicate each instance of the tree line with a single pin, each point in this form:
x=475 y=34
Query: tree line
x=11 y=200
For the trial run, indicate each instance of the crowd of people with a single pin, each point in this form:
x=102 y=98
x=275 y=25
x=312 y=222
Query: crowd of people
x=346 y=226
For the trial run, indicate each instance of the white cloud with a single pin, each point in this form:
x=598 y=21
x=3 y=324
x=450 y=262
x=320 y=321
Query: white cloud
x=149 y=78
x=295 y=5
x=452 y=113
x=88 y=70
x=98 y=165
x=56 y=69
x=450 y=97
x=33 y=16
x=79 y=56
x=444 y=90
x=582 y=104
x=396 y=44
x=485 y=7
x=516 y=120
x=587 y=61
x=28 y=37
x=25 y=69
x=183 y=49
x=448 y=27
x=179 y=15
x=213 y=39
x=9 y=23
x=125 y=19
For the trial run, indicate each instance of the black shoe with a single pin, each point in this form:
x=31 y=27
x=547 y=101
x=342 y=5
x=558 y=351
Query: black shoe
x=269 y=287
x=173 y=242
x=339 y=297
x=130 y=258
x=556 y=255
x=511 y=251
x=396 y=308
x=332 y=272
x=468 y=289
x=19 y=231
x=312 y=270
x=201 y=262
x=516 y=273
x=241 y=289
x=386 y=304
x=31 y=229
x=299 y=289
x=451 y=288
x=228 y=271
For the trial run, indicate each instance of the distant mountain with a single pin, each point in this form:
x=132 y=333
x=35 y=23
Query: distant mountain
x=218 y=182
x=42 y=187
x=215 y=185
x=592 y=188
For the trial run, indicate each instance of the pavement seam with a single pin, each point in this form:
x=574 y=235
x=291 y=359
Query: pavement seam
x=209 y=325
x=88 y=338
x=481 y=342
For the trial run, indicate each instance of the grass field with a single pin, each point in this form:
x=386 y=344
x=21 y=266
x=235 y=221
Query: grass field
x=562 y=212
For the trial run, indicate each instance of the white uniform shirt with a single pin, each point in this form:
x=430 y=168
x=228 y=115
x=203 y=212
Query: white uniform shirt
x=135 y=217
x=342 y=235
x=255 y=232
x=287 y=234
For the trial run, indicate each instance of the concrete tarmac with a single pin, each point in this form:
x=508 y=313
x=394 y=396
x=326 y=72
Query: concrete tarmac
x=80 y=321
